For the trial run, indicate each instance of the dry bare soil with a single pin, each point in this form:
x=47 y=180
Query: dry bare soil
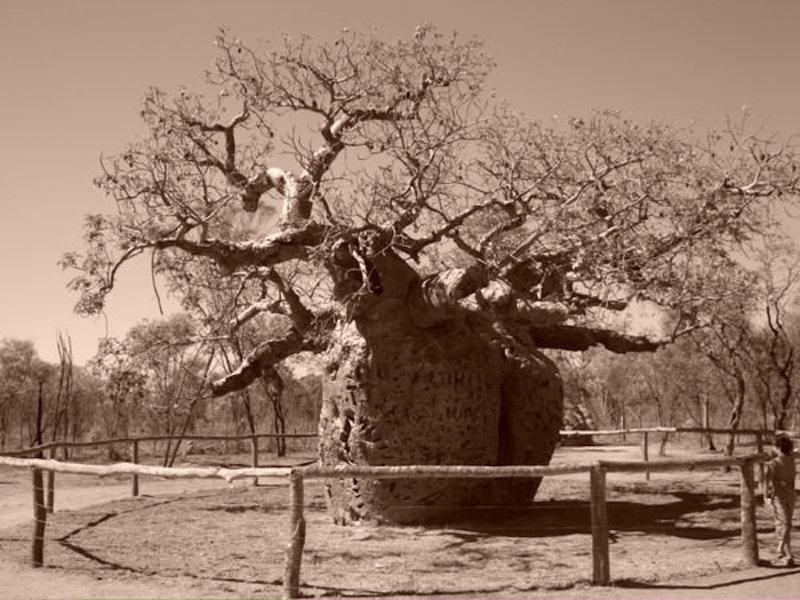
x=229 y=541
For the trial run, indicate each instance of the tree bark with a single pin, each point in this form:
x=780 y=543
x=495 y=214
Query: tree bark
x=736 y=414
x=39 y=508
x=399 y=395
x=39 y=518
x=274 y=390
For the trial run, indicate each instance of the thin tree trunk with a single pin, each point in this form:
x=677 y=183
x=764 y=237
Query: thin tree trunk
x=662 y=447
x=190 y=416
x=184 y=428
x=274 y=388
x=707 y=425
x=167 y=449
x=21 y=429
x=783 y=408
x=279 y=424
x=735 y=418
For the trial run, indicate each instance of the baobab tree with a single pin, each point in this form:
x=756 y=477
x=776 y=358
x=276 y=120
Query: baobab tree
x=431 y=242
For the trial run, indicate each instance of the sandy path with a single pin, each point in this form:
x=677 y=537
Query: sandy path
x=17 y=508
x=23 y=583
x=20 y=582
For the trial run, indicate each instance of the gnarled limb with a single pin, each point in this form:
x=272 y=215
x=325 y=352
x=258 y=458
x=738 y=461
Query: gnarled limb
x=575 y=337
x=446 y=294
x=298 y=313
x=288 y=244
x=284 y=341
x=254 y=309
x=435 y=297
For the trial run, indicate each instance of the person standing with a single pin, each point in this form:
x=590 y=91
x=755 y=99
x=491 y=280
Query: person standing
x=780 y=473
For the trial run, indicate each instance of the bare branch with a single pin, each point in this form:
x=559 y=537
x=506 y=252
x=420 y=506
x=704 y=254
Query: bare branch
x=568 y=337
x=282 y=343
x=300 y=315
x=274 y=249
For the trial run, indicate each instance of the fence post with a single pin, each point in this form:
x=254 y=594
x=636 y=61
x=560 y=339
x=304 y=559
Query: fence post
x=749 y=531
x=51 y=484
x=645 y=454
x=600 y=563
x=297 y=537
x=254 y=456
x=135 y=479
x=623 y=426
x=39 y=519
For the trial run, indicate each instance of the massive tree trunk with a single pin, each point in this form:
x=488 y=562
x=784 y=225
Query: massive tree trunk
x=437 y=369
x=398 y=394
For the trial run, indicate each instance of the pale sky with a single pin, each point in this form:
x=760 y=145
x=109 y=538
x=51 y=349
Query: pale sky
x=72 y=74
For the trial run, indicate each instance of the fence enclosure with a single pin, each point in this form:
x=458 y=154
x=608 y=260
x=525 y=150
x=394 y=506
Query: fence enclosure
x=597 y=471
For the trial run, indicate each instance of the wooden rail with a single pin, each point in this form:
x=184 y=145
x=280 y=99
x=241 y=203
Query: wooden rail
x=152 y=438
x=248 y=436
x=579 y=432
x=228 y=475
x=590 y=432
x=598 y=474
x=759 y=434
x=599 y=513
x=134 y=446
x=439 y=471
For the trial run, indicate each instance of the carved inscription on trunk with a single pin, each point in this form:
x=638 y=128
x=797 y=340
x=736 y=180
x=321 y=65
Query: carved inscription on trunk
x=443 y=397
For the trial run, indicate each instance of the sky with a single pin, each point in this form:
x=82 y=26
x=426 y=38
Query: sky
x=72 y=75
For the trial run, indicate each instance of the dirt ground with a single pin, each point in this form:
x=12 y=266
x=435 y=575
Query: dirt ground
x=221 y=541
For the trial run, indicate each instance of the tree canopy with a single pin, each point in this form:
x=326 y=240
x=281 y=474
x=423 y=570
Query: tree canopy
x=402 y=178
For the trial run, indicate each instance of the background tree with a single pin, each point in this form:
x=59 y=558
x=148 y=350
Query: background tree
x=175 y=367
x=23 y=377
x=155 y=380
x=431 y=241
x=85 y=410
x=778 y=267
x=17 y=363
x=124 y=390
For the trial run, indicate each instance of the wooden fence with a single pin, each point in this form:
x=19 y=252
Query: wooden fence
x=760 y=436
x=601 y=569
x=296 y=476
x=135 y=442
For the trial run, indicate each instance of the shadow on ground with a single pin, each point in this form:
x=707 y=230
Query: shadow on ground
x=682 y=517
x=640 y=585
